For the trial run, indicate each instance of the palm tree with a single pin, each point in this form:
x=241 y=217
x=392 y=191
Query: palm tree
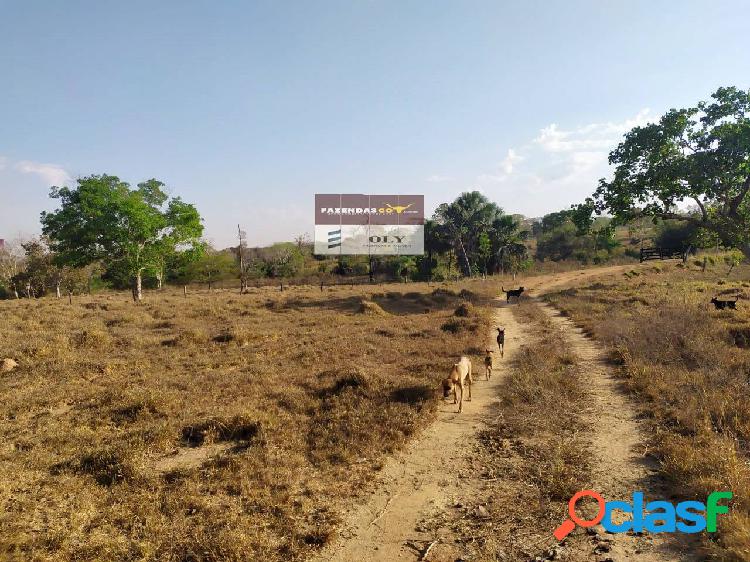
x=464 y=221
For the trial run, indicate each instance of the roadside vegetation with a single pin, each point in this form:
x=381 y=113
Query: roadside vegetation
x=687 y=365
x=218 y=426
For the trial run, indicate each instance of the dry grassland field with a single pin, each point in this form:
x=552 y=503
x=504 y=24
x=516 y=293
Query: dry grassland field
x=215 y=426
x=218 y=426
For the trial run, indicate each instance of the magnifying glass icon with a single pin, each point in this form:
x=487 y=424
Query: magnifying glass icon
x=569 y=524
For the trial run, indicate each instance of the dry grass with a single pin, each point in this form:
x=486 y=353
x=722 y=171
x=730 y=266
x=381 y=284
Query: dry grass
x=213 y=427
x=689 y=366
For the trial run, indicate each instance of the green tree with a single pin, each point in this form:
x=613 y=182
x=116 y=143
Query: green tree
x=559 y=243
x=12 y=262
x=102 y=218
x=39 y=272
x=485 y=250
x=697 y=155
x=208 y=267
x=436 y=242
x=508 y=244
x=464 y=221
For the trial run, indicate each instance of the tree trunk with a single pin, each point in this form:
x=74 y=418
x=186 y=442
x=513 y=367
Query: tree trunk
x=57 y=289
x=158 y=280
x=137 y=288
x=466 y=265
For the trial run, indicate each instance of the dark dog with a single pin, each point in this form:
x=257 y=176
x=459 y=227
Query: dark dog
x=501 y=341
x=488 y=363
x=513 y=293
x=722 y=304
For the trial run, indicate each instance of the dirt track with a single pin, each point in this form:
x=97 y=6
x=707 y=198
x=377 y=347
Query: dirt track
x=433 y=473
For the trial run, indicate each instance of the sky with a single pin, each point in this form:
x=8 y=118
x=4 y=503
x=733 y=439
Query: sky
x=248 y=108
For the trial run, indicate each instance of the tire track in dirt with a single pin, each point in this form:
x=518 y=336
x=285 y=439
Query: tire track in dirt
x=622 y=464
x=426 y=477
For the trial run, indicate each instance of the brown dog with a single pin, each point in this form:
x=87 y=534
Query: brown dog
x=460 y=376
x=488 y=363
x=501 y=341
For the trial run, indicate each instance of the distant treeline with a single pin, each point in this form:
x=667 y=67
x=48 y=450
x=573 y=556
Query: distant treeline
x=470 y=236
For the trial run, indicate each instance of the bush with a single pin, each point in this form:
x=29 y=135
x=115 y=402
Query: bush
x=464 y=309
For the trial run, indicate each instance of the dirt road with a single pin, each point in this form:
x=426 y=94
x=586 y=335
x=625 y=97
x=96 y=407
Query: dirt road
x=622 y=464
x=433 y=473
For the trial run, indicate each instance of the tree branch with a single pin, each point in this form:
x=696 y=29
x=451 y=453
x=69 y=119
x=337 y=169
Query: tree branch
x=702 y=208
x=736 y=201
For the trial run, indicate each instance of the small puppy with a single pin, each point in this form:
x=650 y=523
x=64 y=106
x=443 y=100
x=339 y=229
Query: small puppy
x=488 y=363
x=513 y=293
x=722 y=304
x=460 y=376
x=501 y=341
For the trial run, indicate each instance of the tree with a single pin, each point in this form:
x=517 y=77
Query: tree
x=102 y=218
x=485 y=250
x=208 y=267
x=40 y=272
x=436 y=241
x=11 y=264
x=282 y=260
x=575 y=234
x=559 y=243
x=464 y=220
x=700 y=155
x=508 y=244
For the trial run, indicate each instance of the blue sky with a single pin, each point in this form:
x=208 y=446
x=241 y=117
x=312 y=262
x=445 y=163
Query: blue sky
x=249 y=108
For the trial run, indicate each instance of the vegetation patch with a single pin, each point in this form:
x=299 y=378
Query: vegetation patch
x=369 y=307
x=687 y=365
x=464 y=310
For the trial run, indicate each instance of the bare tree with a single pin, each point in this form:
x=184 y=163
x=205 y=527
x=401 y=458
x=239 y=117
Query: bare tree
x=302 y=240
x=241 y=250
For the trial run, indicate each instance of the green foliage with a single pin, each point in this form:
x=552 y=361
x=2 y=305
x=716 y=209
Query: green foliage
x=129 y=230
x=284 y=259
x=210 y=266
x=699 y=155
x=566 y=235
x=39 y=270
x=676 y=234
x=478 y=232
